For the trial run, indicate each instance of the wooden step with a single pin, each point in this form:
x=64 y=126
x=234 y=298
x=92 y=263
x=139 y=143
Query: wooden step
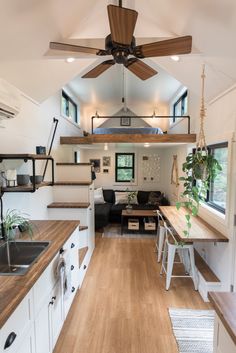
x=75 y=183
x=69 y=205
x=204 y=269
x=82 y=254
x=81 y=228
x=75 y=164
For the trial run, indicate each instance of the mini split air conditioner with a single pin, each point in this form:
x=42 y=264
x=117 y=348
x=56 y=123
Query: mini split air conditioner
x=9 y=100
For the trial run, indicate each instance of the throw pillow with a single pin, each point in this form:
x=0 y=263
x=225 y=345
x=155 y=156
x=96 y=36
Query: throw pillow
x=155 y=198
x=121 y=197
x=98 y=196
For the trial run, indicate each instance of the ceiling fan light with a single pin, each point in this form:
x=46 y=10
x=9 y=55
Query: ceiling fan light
x=175 y=57
x=70 y=60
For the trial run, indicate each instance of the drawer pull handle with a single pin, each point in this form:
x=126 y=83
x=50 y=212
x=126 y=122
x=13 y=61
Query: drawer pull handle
x=61 y=251
x=72 y=267
x=52 y=300
x=73 y=289
x=10 y=339
x=85 y=267
x=72 y=245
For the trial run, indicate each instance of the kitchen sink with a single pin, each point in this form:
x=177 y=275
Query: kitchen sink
x=22 y=255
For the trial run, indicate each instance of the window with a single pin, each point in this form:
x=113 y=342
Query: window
x=124 y=167
x=216 y=196
x=68 y=107
x=180 y=107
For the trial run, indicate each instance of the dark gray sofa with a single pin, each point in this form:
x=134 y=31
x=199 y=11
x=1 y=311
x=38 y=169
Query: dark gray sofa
x=109 y=212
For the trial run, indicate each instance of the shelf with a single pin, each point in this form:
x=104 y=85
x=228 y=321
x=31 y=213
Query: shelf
x=73 y=183
x=82 y=254
x=25 y=156
x=69 y=205
x=26 y=188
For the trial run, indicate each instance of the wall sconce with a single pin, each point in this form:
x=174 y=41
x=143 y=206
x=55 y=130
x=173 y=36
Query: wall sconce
x=105 y=147
x=96 y=115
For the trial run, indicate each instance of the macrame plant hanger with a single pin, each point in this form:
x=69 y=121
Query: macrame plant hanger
x=201 y=142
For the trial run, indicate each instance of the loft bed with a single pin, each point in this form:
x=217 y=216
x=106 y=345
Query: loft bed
x=130 y=134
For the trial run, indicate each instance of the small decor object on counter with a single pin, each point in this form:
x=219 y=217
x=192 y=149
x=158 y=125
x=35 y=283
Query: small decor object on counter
x=40 y=150
x=10 y=177
x=23 y=179
x=38 y=179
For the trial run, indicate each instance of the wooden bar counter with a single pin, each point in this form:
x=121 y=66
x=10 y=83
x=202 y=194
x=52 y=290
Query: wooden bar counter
x=14 y=288
x=200 y=230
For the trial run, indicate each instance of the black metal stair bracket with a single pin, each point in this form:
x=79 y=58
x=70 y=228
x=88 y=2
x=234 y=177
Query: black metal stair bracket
x=55 y=121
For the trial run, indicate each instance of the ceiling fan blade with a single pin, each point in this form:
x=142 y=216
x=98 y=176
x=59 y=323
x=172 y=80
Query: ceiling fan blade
x=75 y=48
x=175 y=46
x=99 y=69
x=122 y=23
x=140 y=69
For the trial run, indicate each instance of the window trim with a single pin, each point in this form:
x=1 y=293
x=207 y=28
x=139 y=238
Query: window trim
x=180 y=99
x=69 y=99
x=116 y=166
x=207 y=202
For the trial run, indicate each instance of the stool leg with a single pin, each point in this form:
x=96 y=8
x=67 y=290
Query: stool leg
x=170 y=262
x=161 y=243
x=192 y=262
x=186 y=261
x=163 y=264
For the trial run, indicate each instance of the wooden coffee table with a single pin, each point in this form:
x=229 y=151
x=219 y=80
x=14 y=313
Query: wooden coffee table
x=136 y=213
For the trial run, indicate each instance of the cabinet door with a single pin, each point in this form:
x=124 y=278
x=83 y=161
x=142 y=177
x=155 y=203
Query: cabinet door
x=27 y=345
x=41 y=324
x=55 y=314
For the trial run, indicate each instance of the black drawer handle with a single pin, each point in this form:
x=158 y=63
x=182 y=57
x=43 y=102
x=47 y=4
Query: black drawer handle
x=72 y=289
x=61 y=251
x=10 y=339
x=85 y=267
x=72 y=245
x=72 y=267
x=52 y=300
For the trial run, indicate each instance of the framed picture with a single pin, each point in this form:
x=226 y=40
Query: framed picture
x=97 y=164
x=106 y=161
x=125 y=121
x=105 y=171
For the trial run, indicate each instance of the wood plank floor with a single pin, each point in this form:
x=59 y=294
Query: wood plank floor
x=122 y=305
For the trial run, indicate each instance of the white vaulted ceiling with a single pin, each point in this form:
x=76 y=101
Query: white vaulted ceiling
x=27 y=26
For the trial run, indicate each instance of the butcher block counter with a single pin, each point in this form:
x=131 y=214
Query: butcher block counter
x=14 y=288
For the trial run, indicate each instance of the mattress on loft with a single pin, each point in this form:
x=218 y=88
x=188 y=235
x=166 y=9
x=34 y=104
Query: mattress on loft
x=128 y=130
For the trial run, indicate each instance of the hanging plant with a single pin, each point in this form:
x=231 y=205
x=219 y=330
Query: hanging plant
x=200 y=168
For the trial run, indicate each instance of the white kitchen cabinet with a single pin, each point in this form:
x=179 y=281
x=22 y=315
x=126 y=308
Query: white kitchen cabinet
x=55 y=307
x=27 y=344
x=41 y=325
x=223 y=343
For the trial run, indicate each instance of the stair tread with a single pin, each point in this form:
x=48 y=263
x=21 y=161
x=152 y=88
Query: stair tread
x=69 y=205
x=204 y=269
x=82 y=228
x=82 y=254
x=74 y=164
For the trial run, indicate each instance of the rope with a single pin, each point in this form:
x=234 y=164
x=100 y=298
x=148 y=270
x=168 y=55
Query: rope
x=201 y=143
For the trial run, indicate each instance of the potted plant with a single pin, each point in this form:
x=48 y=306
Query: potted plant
x=201 y=169
x=14 y=220
x=130 y=196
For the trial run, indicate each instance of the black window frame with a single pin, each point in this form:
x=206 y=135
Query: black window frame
x=117 y=168
x=207 y=201
x=68 y=99
x=180 y=99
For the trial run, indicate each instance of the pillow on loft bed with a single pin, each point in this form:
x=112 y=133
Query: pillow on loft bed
x=128 y=130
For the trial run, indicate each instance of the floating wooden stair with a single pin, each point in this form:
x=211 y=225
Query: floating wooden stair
x=82 y=254
x=134 y=138
x=81 y=228
x=69 y=205
x=204 y=269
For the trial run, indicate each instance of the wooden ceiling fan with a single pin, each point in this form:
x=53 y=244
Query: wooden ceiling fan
x=121 y=45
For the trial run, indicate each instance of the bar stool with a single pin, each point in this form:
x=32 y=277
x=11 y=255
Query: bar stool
x=161 y=232
x=170 y=247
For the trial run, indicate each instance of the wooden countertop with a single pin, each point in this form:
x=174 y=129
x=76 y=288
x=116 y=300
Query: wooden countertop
x=14 y=288
x=200 y=230
x=225 y=306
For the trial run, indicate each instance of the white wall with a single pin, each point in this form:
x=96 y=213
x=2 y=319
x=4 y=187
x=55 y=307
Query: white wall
x=32 y=127
x=108 y=180
x=220 y=123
